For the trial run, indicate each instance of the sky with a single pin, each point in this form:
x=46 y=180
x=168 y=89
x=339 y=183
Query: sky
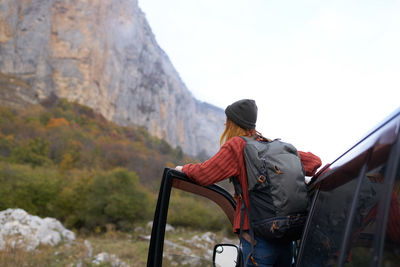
x=323 y=73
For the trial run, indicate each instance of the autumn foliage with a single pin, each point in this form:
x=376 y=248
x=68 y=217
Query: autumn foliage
x=63 y=160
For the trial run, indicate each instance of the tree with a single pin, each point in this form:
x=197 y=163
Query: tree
x=116 y=197
x=34 y=152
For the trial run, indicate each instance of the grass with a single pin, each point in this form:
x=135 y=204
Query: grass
x=63 y=255
x=129 y=248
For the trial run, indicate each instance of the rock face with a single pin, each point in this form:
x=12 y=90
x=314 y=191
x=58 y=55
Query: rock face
x=102 y=53
x=22 y=230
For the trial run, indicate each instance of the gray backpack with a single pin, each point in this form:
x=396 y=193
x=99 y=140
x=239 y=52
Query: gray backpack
x=277 y=190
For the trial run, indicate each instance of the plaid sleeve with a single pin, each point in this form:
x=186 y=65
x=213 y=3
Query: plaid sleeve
x=224 y=164
x=310 y=162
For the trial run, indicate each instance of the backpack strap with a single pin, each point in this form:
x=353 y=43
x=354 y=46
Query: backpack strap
x=239 y=195
x=243 y=210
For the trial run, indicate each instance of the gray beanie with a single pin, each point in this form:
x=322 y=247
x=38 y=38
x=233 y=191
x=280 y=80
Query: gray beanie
x=243 y=113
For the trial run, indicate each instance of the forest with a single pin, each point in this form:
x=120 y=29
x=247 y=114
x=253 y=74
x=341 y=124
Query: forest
x=61 y=159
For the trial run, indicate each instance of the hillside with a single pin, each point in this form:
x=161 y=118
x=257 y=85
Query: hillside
x=63 y=160
x=72 y=136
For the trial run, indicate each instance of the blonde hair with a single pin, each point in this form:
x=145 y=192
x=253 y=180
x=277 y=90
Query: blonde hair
x=232 y=130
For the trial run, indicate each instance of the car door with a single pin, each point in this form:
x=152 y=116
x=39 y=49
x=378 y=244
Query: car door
x=174 y=179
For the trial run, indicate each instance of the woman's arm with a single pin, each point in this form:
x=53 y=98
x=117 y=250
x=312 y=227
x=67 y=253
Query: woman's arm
x=310 y=162
x=224 y=164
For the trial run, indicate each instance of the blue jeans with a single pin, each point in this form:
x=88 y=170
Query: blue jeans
x=268 y=254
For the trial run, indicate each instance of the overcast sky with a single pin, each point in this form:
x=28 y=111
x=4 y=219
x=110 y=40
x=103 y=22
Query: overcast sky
x=323 y=73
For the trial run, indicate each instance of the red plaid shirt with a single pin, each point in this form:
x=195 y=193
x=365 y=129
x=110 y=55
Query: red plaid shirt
x=229 y=161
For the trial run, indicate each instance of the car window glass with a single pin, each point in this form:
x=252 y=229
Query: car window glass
x=391 y=255
x=332 y=209
x=325 y=238
x=364 y=225
x=326 y=231
x=370 y=212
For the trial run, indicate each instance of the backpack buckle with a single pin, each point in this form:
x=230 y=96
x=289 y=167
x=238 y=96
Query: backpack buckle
x=262 y=178
x=277 y=170
x=274 y=227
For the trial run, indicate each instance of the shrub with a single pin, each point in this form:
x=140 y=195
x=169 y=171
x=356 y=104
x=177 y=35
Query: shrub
x=6 y=145
x=6 y=114
x=196 y=212
x=34 y=152
x=116 y=197
x=33 y=190
x=57 y=122
x=78 y=198
x=71 y=202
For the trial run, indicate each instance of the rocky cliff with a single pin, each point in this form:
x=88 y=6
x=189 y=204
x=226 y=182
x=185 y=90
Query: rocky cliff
x=102 y=53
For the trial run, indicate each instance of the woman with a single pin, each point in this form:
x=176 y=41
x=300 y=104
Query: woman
x=229 y=161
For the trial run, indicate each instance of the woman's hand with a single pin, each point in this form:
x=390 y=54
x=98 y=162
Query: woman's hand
x=178 y=168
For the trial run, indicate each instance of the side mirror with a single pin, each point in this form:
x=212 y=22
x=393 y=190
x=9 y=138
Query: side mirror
x=227 y=255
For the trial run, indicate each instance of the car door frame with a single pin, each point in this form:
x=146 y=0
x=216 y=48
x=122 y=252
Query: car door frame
x=175 y=179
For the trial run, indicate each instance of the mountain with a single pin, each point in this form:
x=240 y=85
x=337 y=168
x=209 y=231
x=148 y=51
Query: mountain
x=103 y=54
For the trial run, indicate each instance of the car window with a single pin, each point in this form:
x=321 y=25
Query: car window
x=326 y=231
x=391 y=255
x=357 y=189
x=364 y=228
x=376 y=197
x=195 y=225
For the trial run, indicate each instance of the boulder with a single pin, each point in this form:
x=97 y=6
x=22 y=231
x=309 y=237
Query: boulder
x=22 y=230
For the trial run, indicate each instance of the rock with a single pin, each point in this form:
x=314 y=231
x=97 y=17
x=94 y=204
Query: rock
x=20 y=229
x=185 y=250
x=168 y=227
x=226 y=240
x=89 y=248
x=138 y=229
x=100 y=258
x=181 y=260
x=104 y=257
x=102 y=54
x=209 y=237
x=144 y=237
